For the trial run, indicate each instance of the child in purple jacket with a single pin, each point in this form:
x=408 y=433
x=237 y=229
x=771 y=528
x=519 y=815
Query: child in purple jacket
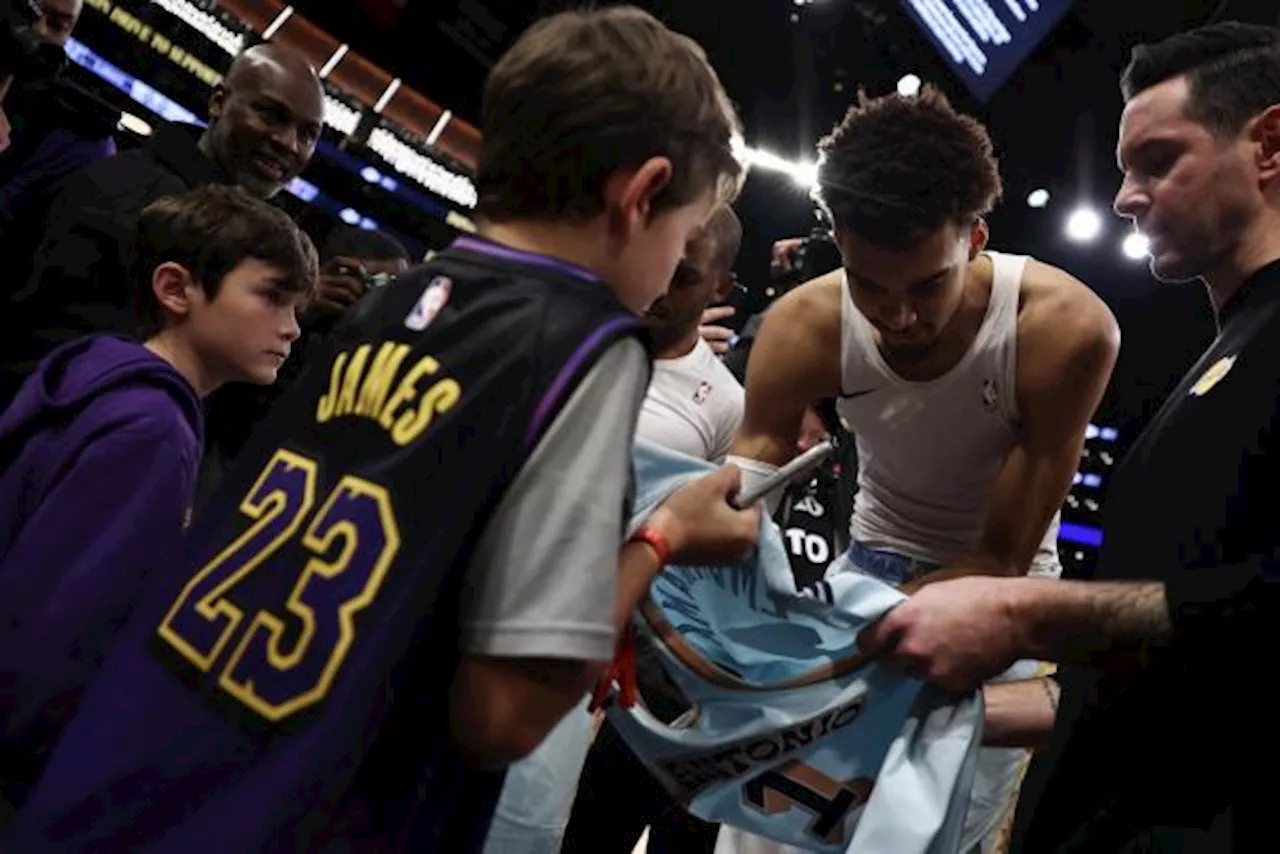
x=100 y=449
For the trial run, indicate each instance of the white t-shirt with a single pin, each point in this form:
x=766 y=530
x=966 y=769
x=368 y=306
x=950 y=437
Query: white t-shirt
x=694 y=405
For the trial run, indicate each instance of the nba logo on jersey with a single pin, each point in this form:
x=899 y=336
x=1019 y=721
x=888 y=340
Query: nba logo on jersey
x=434 y=297
x=703 y=392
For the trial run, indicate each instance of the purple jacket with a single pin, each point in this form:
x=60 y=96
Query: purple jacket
x=98 y=459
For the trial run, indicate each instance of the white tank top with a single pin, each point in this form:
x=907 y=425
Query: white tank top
x=929 y=452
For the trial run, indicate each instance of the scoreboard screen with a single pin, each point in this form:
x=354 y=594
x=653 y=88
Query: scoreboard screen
x=984 y=41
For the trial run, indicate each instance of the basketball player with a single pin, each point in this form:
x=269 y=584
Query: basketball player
x=967 y=376
x=1166 y=739
x=414 y=570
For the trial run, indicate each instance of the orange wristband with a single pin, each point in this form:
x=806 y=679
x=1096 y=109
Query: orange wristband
x=656 y=541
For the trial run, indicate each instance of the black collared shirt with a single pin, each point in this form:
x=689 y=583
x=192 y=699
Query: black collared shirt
x=1178 y=753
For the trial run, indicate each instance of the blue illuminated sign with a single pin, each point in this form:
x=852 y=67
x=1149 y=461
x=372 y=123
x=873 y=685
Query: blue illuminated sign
x=984 y=41
x=1084 y=535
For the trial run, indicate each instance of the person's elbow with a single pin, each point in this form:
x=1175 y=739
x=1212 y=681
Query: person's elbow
x=501 y=709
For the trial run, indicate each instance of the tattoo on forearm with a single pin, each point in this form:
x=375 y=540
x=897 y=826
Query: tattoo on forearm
x=1136 y=612
x=1118 y=620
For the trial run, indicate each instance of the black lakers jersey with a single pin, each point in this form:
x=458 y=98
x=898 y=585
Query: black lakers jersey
x=290 y=693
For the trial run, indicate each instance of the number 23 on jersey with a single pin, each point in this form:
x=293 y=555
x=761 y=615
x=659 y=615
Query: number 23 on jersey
x=347 y=547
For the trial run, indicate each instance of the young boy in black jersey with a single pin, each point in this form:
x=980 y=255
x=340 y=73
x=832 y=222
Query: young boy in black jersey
x=415 y=567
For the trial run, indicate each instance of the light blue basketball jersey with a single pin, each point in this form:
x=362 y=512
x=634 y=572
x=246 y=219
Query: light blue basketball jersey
x=793 y=735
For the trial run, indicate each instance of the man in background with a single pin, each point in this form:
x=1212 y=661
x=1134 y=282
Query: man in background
x=265 y=120
x=694 y=404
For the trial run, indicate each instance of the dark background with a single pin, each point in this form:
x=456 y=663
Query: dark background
x=793 y=70
x=793 y=67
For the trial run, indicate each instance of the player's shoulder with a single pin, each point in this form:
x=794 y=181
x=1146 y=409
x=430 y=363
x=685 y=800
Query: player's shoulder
x=808 y=311
x=1061 y=317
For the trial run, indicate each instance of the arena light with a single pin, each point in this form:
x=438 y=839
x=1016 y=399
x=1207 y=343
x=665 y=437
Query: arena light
x=277 y=22
x=804 y=174
x=333 y=60
x=430 y=174
x=130 y=122
x=387 y=95
x=909 y=85
x=204 y=23
x=1038 y=198
x=1136 y=246
x=1084 y=225
x=438 y=128
x=339 y=116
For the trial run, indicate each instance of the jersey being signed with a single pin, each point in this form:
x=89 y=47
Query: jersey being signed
x=793 y=735
x=289 y=691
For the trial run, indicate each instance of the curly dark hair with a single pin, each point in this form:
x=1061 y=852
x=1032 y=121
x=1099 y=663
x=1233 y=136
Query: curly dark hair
x=1233 y=68
x=898 y=168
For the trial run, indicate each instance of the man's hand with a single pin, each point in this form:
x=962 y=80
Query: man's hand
x=959 y=633
x=784 y=254
x=719 y=337
x=340 y=286
x=4 y=130
x=955 y=633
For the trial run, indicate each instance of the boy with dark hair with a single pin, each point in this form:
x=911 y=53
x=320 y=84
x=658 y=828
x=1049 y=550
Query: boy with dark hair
x=966 y=376
x=352 y=260
x=416 y=567
x=100 y=449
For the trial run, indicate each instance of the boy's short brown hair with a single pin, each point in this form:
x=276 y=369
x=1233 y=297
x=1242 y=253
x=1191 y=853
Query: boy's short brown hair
x=585 y=93
x=210 y=231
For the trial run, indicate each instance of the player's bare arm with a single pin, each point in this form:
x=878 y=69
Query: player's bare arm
x=1019 y=714
x=795 y=360
x=1068 y=341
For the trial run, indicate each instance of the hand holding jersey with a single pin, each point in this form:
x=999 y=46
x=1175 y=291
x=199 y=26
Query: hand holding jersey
x=700 y=524
x=955 y=635
x=793 y=734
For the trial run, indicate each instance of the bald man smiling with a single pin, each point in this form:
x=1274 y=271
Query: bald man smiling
x=264 y=122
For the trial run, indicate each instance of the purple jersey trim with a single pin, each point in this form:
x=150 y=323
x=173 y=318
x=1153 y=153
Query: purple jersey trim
x=558 y=391
x=506 y=253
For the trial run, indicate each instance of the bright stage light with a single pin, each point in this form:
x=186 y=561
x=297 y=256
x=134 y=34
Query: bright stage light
x=1136 y=246
x=1084 y=225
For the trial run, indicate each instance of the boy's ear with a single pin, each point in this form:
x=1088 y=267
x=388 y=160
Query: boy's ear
x=174 y=288
x=629 y=195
